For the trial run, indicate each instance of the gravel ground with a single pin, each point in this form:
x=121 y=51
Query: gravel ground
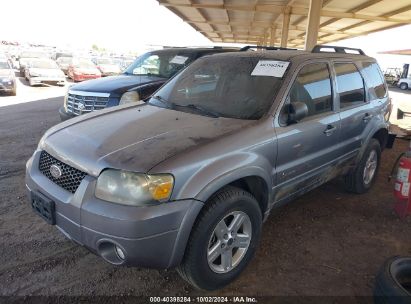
x=327 y=243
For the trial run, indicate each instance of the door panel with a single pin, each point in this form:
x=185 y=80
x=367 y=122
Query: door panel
x=306 y=149
x=354 y=111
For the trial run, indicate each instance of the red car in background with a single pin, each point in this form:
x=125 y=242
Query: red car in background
x=83 y=69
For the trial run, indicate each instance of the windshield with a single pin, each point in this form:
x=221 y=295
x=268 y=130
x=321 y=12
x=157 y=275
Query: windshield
x=65 y=60
x=161 y=64
x=32 y=55
x=222 y=86
x=43 y=64
x=4 y=65
x=104 y=61
x=84 y=63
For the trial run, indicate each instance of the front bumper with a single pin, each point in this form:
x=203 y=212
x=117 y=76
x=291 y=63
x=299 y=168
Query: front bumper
x=40 y=80
x=7 y=86
x=85 y=77
x=152 y=236
x=65 y=115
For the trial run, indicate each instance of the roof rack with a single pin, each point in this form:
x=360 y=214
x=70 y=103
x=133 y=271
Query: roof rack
x=268 y=48
x=337 y=49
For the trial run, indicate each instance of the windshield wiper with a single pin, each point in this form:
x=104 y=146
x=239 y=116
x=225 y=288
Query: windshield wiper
x=201 y=109
x=194 y=107
x=164 y=101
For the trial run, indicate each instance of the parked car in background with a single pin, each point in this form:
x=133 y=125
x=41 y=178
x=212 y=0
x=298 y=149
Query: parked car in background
x=44 y=71
x=404 y=83
x=107 y=66
x=25 y=57
x=392 y=75
x=83 y=69
x=123 y=62
x=7 y=78
x=57 y=55
x=64 y=63
x=136 y=83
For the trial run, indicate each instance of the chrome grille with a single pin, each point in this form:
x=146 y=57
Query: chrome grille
x=70 y=178
x=84 y=102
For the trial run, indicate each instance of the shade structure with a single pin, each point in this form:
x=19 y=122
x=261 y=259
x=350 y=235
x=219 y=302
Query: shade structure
x=287 y=22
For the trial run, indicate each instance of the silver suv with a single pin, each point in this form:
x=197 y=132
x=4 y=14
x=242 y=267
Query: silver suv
x=187 y=179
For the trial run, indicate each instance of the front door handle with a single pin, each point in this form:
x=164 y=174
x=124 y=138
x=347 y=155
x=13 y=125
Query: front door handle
x=330 y=130
x=367 y=117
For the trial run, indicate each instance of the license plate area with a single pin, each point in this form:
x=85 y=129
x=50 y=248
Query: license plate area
x=44 y=207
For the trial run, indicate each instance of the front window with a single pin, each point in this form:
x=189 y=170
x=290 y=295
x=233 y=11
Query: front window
x=161 y=64
x=220 y=86
x=65 y=60
x=32 y=55
x=313 y=87
x=104 y=61
x=43 y=64
x=84 y=64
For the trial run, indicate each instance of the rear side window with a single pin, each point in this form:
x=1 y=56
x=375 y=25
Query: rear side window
x=374 y=79
x=313 y=87
x=350 y=85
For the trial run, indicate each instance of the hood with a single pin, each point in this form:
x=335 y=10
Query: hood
x=6 y=72
x=109 y=67
x=118 y=84
x=87 y=71
x=46 y=72
x=134 y=138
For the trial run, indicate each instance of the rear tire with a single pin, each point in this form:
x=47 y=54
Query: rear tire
x=356 y=181
x=403 y=86
x=393 y=282
x=228 y=206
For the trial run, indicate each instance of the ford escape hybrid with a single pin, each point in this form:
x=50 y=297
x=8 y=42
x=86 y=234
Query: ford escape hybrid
x=187 y=179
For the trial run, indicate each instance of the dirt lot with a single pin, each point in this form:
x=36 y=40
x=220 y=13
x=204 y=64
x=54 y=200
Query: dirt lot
x=326 y=243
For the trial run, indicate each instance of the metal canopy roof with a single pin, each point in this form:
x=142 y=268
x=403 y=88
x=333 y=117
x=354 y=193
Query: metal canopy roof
x=263 y=21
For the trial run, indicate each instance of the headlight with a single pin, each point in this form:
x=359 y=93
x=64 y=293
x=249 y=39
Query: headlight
x=128 y=97
x=65 y=98
x=135 y=189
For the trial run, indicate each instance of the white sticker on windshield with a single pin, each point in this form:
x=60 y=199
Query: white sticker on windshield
x=270 y=68
x=179 y=59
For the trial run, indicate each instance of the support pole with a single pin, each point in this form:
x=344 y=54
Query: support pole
x=286 y=27
x=272 y=35
x=314 y=15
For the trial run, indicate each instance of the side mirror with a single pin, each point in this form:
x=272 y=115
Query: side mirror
x=297 y=111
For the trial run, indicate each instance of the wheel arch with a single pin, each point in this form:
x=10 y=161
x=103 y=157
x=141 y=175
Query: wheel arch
x=255 y=184
x=382 y=136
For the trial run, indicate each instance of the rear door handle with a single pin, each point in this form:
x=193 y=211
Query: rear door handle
x=367 y=117
x=330 y=130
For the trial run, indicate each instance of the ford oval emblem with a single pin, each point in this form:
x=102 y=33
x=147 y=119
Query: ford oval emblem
x=55 y=171
x=81 y=106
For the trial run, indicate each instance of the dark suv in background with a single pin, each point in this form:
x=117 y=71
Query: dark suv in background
x=137 y=82
x=187 y=179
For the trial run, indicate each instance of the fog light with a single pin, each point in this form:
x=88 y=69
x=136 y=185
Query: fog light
x=120 y=253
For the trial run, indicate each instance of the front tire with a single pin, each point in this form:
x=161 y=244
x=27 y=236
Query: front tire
x=403 y=86
x=223 y=240
x=363 y=176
